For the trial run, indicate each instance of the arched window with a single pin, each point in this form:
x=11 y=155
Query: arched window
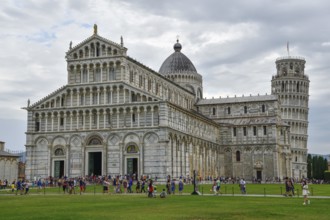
x=298 y=87
x=238 y=156
x=245 y=109
x=263 y=108
x=85 y=75
x=112 y=74
x=228 y=110
x=97 y=75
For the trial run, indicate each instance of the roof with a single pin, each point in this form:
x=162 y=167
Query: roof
x=177 y=62
x=259 y=98
x=253 y=121
x=6 y=154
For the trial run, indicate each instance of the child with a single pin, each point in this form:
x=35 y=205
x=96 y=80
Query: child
x=163 y=194
x=13 y=186
x=305 y=192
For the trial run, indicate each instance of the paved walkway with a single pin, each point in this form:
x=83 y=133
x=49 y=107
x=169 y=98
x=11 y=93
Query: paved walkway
x=183 y=194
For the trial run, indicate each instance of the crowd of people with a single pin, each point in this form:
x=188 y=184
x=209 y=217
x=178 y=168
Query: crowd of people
x=145 y=184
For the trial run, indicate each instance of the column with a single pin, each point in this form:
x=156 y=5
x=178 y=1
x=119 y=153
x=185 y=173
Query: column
x=124 y=117
x=110 y=95
x=58 y=121
x=71 y=121
x=84 y=120
x=77 y=118
x=97 y=119
x=104 y=118
x=138 y=117
x=71 y=97
x=64 y=122
x=152 y=116
x=98 y=96
x=131 y=111
x=124 y=100
x=78 y=98
x=90 y=120
x=46 y=121
x=117 y=118
x=52 y=117
x=118 y=91
x=105 y=96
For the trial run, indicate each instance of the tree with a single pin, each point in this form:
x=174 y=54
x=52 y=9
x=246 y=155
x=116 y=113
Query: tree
x=316 y=166
x=309 y=166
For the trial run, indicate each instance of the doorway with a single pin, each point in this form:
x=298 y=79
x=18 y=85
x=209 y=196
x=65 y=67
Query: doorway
x=132 y=167
x=58 y=168
x=259 y=175
x=95 y=163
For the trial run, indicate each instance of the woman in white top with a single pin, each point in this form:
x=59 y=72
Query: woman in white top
x=305 y=192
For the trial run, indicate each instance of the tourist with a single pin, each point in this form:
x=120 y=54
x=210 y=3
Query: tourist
x=168 y=185
x=242 y=184
x=163 y=194
x=150 y=189
x=143 y=186
x=105 y=185
x=292 y=186
x=82 y=185
x=137 y=188
x=13 y=186
x=118 y=185
x=173 y=186
x=125 y=185
x=305 y=192
x=130 y=184
x=218 y=185
x=180 y=186
x=288 y=187
x=26 y=187
x=18 y=186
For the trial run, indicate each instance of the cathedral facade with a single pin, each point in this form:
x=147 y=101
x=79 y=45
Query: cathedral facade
x=115 y=116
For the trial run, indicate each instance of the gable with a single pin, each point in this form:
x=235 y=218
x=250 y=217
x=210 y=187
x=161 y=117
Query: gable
x=95 y=47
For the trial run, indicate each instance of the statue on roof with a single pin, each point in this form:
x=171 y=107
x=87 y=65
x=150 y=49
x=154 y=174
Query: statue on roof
x=28 y=103
x=70 y=47
x=95 y=29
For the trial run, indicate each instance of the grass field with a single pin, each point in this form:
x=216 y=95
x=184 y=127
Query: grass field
x=100 y=206
x=53 y=204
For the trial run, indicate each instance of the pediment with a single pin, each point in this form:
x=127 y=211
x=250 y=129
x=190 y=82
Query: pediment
x=95 y=47
x=50 y=99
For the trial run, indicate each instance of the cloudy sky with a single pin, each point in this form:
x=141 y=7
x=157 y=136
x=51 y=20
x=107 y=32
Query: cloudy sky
x=233 y=44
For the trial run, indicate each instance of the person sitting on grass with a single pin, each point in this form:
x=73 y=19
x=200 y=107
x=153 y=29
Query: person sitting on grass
x=163 y=194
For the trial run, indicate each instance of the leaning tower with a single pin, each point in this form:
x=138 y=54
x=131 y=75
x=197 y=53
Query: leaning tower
x=292 y=87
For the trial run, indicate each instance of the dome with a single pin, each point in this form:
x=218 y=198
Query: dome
x=177 y=62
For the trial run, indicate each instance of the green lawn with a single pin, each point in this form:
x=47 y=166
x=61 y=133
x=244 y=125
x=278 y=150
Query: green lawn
x=52 y=203
x=99 y=206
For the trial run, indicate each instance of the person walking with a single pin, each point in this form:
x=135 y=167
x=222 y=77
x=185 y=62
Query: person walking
x=180 y=187
x=218 y=185
x=305 y=192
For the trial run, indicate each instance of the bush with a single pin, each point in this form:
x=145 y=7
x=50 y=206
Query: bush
x=327 y=175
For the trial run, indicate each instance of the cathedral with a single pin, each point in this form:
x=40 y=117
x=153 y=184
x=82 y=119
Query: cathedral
x=116 y=116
